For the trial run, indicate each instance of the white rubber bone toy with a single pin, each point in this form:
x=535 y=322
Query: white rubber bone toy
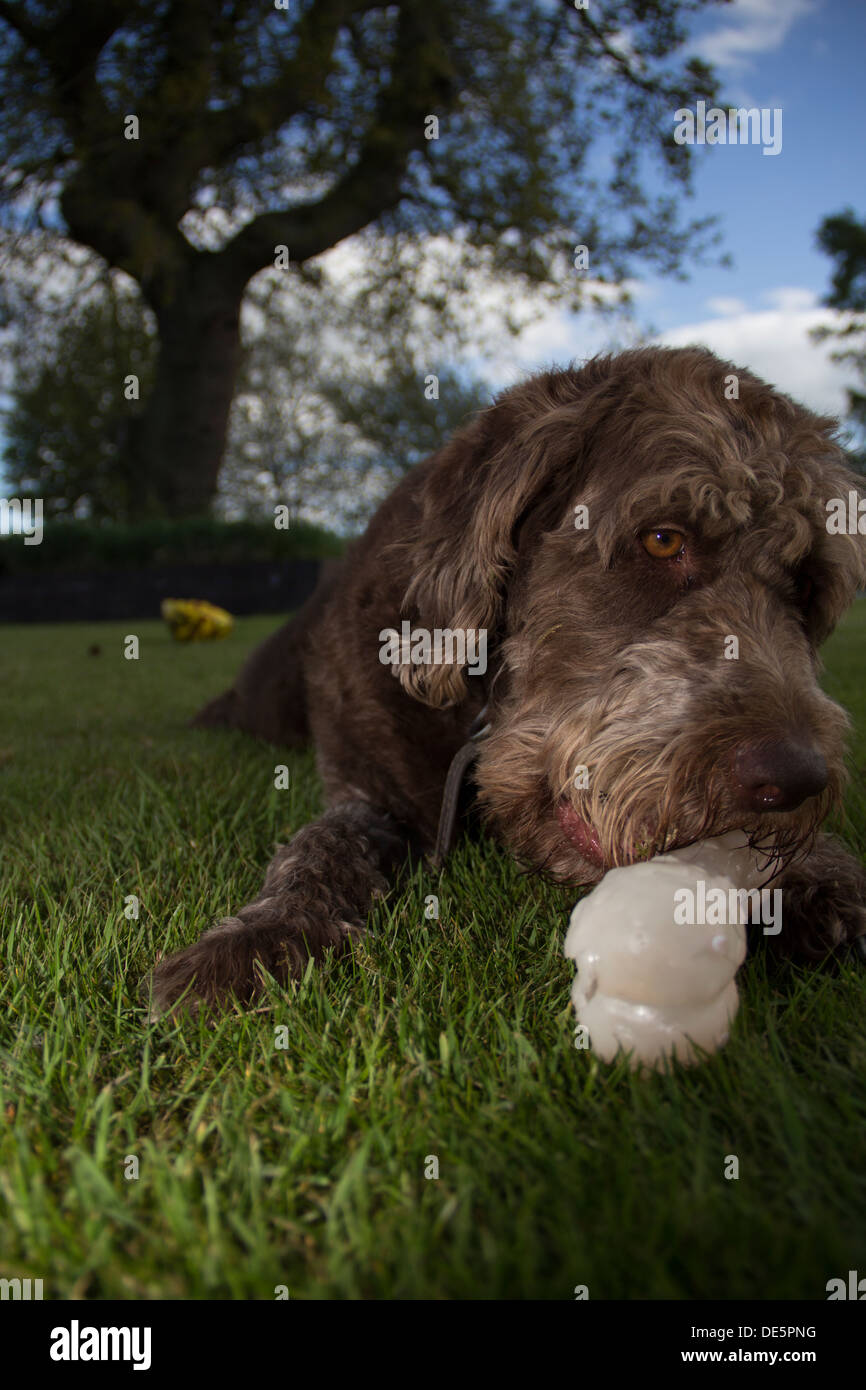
x=646 y=983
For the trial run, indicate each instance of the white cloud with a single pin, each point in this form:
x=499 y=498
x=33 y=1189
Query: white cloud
x=774 y=342
x=555 y=338
x=791 y=299
x=722 y=305
x=550 y=334
x=771 y=338
x=751 y=27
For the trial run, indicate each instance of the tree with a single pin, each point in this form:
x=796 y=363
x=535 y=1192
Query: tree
x=191 y=140
x=67 y=423
x=843 y=237
x=332 y=400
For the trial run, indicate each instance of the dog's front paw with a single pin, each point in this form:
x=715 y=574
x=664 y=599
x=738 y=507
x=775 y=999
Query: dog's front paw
x=823 y=904
x=230 y=961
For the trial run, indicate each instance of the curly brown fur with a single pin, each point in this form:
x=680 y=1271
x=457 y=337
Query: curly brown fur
x=600 y=656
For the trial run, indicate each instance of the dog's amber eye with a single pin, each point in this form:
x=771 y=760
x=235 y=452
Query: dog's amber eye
x=664 y=543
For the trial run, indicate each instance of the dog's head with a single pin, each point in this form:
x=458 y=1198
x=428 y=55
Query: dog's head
x=656 y=545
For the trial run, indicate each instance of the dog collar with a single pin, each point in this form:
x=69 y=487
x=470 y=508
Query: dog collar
x=460 y=763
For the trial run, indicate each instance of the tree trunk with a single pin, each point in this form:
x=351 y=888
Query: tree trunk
x=175 y=445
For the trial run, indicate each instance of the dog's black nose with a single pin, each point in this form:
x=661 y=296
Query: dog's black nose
x=778 y=774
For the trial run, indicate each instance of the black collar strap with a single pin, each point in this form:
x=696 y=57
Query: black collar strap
x=463 y=759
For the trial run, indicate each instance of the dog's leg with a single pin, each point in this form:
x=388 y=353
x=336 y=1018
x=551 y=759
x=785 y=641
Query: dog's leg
x=317 y=892
x=823 y=903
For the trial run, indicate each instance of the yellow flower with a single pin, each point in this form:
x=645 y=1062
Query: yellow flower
x=196 y=620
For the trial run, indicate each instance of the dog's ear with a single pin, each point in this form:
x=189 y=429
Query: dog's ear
x=521 y=453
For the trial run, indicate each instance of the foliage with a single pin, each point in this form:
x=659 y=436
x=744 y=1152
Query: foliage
x=66 y=427
x=257 y=128
x=79 y=547
x=843 y=237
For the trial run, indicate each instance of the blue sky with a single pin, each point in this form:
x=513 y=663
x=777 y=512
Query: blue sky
x=770 y=205
x=807 y=58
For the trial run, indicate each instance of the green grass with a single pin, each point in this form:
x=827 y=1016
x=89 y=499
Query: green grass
x=304 y=1165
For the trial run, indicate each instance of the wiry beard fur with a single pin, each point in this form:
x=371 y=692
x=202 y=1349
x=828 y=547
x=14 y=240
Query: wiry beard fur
x=657 y=733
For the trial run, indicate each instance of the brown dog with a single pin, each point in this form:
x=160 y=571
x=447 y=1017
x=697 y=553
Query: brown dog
x=643 y=552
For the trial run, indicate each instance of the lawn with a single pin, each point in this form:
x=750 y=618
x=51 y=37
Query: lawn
x=289 y=1147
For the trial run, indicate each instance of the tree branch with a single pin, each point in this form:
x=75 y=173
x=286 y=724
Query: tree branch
x=300 y=85
x=631 y=75
x=421 y=82
x=71 y=49
x=651 y=85
x=32 y=34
